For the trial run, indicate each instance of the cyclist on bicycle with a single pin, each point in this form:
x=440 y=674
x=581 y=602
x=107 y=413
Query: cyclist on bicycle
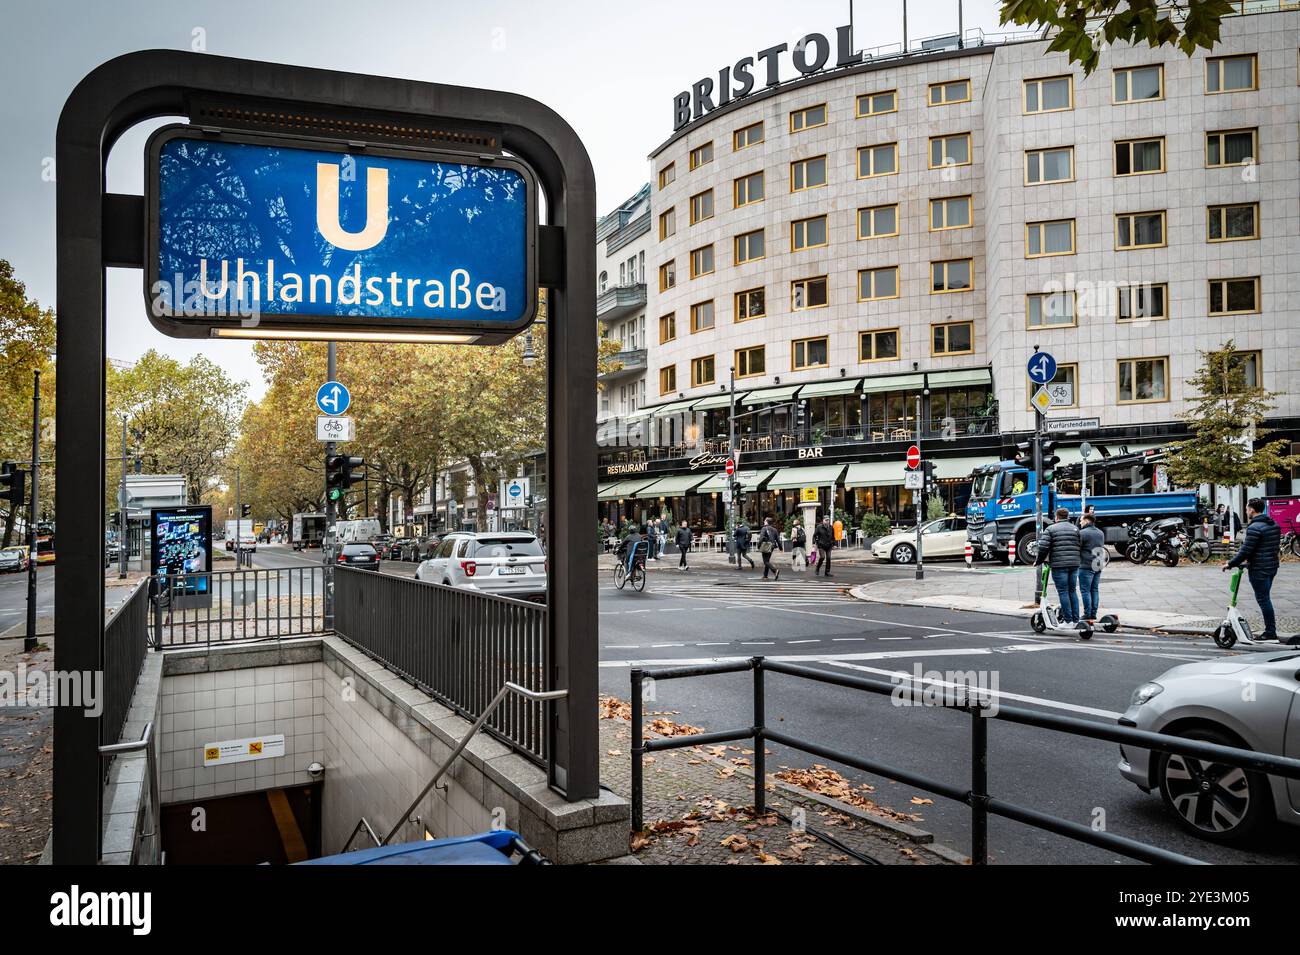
x=633 y=548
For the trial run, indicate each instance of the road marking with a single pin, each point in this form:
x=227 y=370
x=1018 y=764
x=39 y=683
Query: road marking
x=622 y=646
x=799 y=641
x=838 y=657
x=660 y=646
x=847 y=639
x=894 y=638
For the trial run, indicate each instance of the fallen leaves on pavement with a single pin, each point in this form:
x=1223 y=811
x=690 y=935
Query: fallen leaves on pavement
x=827 y=782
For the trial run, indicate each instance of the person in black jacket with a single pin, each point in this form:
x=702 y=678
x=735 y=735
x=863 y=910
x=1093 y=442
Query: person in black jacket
x=824 y=541
x=683 y=542
x=1259 y=552
x=769 y=542
x=798 y=546
x=1062 y=547
x=741 y=538
x=1093 y=562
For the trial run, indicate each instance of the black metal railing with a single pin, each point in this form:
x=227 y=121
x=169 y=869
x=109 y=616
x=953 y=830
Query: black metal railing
x=229 y=606
x=458 y=646
x=975 y=703
x=126 y=636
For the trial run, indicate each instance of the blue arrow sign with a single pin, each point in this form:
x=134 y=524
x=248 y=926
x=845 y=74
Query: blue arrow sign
x=1041 y=368
x=333 y=398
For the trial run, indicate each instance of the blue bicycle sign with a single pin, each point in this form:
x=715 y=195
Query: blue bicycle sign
x=1041 y=368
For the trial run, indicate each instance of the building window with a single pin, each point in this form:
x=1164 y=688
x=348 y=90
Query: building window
x=952 y=275
x=1143 y=379
x=702 y=206
x=952 y=338
x=1138 y=84
x=1251 y=364
x=874 y=104
x=1049 y=238
x=1049 y=310
x=809 y=353
x=750 y=135
x=701 y=316
x=1233 y=223
x=701 y=261
x=808 y=118
x=668 y=380
x=1139 y=230
x=807 y=173
x=1234 y=296
x=667 y=175
x=808 y=293
x=879 y=345
x=950 y=213
x=1049 y=165
x=668 y=275
x=702 y=371
x=877 y=284
x=701 y=155
x=953 y=91
x=1136 y=157
x=1231 y=74
x=604 y=281
x=667 y=328
x=667 y=224
x=751 y=362
x=953 y=150
x=808 y=233
x=878 y=222
x=1143 y=301
x=1231 y=147
x=1049 y=95
x=751 y=303
x=881 y=160
x=1066 y=381
x=748 y=189
x=749 y=247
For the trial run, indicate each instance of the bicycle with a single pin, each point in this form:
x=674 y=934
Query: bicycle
x=1197 y=551
x=636 y=576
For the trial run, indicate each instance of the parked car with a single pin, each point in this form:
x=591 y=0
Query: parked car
x=1205 y=701
x=510 y=565
x=14 y=559
x=383 y=544
x=363 y=556
x=945 y=537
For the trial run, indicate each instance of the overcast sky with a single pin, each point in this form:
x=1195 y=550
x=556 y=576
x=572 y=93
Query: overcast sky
x=611 y=69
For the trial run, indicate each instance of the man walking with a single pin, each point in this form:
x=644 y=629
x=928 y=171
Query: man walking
x=740 y=537
x=1259 y=553
x=1062 y=548
x=824 y=541
x=798 y=546
x=1092 y=561
x=769 y=542
x=683 y=542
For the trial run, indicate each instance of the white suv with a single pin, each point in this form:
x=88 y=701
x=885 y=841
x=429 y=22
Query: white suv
x=506 y=564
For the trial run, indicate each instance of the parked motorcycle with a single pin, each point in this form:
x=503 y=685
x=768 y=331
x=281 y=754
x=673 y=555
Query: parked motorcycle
x=1155 y=540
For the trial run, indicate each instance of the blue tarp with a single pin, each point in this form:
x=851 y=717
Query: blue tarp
x=486 y=848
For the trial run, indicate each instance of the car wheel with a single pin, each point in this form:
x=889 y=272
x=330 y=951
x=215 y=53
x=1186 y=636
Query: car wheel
x=903 y=554
x=1215 y=801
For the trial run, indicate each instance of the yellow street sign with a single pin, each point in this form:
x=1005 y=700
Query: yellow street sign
x=1041 y=400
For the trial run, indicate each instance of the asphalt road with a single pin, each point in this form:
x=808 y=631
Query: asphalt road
x=710 y=615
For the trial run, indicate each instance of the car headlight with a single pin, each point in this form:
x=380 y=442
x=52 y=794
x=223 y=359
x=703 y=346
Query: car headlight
x=1146 y=693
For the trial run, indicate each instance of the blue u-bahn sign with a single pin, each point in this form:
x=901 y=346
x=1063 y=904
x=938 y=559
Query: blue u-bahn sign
x=251 y=234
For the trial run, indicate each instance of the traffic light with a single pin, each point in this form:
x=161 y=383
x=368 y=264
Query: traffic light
x=13 y=484
x=931 y=484
x=245 y=510
x=800 y=418
x=1049 y=460
x=339 y=475
x=1024 y=452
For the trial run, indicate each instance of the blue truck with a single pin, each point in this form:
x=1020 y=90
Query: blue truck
x=1121 y=489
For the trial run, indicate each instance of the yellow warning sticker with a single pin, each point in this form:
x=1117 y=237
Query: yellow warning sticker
x=211 y=753
x=255 y=748
x=240 y=750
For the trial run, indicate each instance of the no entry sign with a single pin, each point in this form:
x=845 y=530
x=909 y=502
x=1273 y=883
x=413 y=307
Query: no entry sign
x=913 y=456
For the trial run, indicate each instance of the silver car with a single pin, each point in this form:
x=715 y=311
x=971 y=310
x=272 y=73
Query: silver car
x=506 y=564
x=1249 y=701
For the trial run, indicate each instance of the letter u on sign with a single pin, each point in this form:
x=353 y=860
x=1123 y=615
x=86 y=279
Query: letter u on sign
x=327 y=209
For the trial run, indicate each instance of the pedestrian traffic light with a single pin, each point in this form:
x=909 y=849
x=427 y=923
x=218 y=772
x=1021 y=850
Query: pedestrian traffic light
x=13 y=484
x=245 y=510
x=800 y=417
x=339 y=474
x=1049 y=460
x=931 y=484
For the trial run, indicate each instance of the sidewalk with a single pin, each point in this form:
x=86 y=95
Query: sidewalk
x=1189 y=598
x=26 y=757
x=698 y=806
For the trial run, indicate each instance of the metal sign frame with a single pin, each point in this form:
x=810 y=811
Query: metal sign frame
x=200 y=327
x=96 y=230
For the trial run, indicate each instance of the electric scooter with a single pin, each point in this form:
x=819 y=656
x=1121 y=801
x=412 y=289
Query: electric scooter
x=1049 y=616
x=1235 y=628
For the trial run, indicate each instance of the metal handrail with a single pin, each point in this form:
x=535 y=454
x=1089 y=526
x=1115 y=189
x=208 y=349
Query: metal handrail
x=143 y=743
x=363 y=824
x=506 y=690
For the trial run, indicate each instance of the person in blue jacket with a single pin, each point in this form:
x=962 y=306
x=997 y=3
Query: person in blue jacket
x=1259 y=554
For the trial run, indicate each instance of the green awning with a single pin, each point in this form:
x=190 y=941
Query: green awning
x=717 y=401
x=765 y=395
x=818 y=476
x=828 y=389
x=950 y=468
x=613 y=492
x=873 y=386
x=673 y=407
x=750 y=480
x=955 y=379
x=671 y=486
x=875 y=474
